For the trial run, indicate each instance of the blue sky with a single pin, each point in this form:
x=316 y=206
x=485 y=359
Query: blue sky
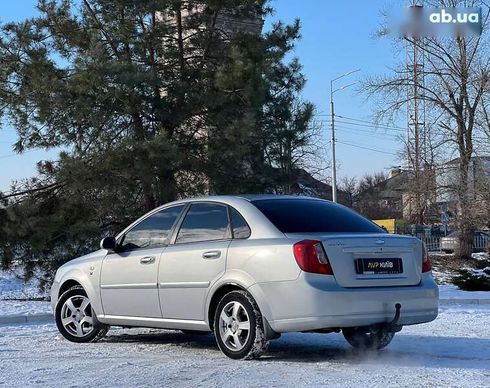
x=337 y=36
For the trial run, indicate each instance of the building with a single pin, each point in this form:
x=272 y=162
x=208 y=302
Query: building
x=397 y=198
x=385 y=200
x=447 y=178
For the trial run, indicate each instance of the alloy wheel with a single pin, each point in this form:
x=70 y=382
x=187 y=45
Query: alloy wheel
x=76 y=316
x=234 y=326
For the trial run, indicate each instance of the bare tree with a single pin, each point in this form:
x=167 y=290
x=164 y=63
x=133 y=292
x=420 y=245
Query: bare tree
x=366 y=198
x=456 y=79
x=349 y=186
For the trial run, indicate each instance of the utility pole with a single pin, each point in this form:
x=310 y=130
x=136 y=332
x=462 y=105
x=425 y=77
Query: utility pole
x=332 y=113
x=334 y=167
x=417 y=137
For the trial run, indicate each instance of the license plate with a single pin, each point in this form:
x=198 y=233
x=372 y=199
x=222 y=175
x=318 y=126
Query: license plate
x=374 y=266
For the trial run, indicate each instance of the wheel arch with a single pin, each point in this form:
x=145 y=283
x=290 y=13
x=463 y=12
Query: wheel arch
x=66 y=285
x=232 y=282
x=218 y=294
x=76 y=277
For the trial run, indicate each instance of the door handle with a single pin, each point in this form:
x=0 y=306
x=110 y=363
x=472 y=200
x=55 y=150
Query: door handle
x=211 y=255
x=147 y=260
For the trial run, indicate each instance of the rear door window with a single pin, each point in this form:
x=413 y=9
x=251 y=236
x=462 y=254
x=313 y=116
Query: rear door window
x=239 y=226
x=204 y=222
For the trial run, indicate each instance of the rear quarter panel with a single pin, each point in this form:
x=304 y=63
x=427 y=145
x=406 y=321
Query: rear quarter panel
x=264 y=260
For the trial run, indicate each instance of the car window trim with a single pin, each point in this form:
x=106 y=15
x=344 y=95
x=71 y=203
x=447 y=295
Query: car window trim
x=178 y=224
x=121 y=237
x=173 y=241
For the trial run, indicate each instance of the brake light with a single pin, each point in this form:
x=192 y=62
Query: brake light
x=426 y=265
x=311 y=257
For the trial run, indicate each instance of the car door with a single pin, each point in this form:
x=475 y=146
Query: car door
x=128 y=283
x=194 y=261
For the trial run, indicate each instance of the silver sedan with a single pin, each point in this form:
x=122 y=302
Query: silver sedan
x=249 y=268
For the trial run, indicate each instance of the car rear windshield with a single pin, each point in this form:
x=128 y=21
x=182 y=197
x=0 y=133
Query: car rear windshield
x=314 y=216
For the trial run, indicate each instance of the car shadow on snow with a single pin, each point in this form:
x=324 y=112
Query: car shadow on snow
x=404 y=351
x=163 y=337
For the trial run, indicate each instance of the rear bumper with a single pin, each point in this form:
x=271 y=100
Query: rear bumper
x=316 y=302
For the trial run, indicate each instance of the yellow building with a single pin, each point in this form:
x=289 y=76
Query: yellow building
x=389 y=224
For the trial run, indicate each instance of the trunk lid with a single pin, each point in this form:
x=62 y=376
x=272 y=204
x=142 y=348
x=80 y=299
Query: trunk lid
x=346 y=252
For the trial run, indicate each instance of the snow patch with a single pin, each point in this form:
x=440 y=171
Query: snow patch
x=13 y=287
x=449 y=291
x=442 y=277
x=15 y=307
x=480 y=256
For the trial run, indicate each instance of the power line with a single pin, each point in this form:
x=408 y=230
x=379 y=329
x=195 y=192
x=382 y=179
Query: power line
x=360 y=132
x=373 y=126
x=369 y=123
x=359 y=128
x=372 y=123
x=366 y=148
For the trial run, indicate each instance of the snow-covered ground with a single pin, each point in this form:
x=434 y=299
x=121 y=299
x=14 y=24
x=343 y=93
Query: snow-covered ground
x=15 y=307
x=21 y=298
x=453 y=351
x=480 y=256
x=449 y=291
x=12 y=287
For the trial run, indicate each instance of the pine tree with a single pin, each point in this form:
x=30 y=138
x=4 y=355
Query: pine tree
x=150 y=100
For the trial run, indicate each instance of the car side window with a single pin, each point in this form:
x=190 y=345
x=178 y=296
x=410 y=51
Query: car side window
x=239 y=226
x=153 y=231
x=204 y=222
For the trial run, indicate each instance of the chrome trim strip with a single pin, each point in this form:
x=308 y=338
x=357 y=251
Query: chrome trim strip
x=129 y=286
x=377 y=249
x=119 y=320
x=157 y=320
x=184 y=285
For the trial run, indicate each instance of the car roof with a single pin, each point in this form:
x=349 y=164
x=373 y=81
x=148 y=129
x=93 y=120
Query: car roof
x=249 y=197
x=233 y=200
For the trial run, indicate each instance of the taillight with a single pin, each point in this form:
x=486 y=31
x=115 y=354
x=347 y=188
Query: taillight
x=311 y=257
x=426 y=265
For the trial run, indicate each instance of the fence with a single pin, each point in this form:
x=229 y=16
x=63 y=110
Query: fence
x=433 y=243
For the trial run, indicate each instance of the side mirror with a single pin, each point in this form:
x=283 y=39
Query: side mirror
x=108 y=243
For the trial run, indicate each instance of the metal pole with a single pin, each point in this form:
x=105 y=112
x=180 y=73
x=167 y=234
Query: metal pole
x=334 y=167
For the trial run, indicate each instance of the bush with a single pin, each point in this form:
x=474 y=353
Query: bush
x=474 y=279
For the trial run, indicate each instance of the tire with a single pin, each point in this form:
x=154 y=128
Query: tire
x=75 y=317
x=368 y=337
x=195 y=332
x=238 y=327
